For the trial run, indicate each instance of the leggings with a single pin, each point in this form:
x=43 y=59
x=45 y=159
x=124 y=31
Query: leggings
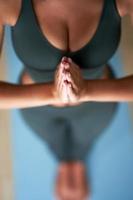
x=69 y=132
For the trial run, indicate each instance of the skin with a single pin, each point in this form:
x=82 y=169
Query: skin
x=67 y=24
x=71 y=181
x=67 y=84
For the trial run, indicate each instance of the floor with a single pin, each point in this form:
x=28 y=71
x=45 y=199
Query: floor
x=6 y=176
x=15 y=161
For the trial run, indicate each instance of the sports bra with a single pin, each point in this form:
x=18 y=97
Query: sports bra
x=41 y=58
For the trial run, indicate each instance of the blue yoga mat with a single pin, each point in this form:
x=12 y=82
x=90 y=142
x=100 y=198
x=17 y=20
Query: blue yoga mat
x=109 y=164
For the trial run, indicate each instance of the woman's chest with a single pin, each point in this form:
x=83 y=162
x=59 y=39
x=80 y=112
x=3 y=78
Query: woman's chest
x=68 y=25
x=44 y=33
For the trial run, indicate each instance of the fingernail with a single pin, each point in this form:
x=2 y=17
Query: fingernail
x=65 y=62
x=64 y=59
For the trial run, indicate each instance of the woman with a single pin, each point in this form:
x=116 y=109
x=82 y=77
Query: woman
x=65 y=47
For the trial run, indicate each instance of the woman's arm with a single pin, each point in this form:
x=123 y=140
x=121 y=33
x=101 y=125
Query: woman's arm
x=33 y=95
x=113 y=89
x=24 y=96
x=105 y=90
x=20 y=96
x=81 y=90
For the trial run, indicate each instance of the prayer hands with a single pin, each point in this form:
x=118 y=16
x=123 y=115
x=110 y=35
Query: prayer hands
x=69 y=83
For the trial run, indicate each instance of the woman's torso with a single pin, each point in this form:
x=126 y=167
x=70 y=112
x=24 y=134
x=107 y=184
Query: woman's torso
x=88 y=32
x=47 y=30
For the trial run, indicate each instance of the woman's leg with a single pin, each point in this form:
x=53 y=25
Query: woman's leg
x=25 y=78
x=96 y=119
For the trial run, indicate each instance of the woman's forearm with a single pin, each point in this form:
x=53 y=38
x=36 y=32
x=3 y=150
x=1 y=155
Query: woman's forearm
x=24 y=96
x=105 y=90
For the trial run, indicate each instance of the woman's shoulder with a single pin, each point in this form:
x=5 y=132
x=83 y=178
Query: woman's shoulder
x=9 y=11
x=125 y=7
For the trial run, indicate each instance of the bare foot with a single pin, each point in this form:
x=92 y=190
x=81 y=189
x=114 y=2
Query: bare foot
x=62 y=180
x=80 y=181
x=71 y=182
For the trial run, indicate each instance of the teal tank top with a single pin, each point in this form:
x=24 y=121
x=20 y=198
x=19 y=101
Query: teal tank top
x=41 y=58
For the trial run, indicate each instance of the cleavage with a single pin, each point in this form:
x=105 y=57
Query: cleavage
x=65 y=32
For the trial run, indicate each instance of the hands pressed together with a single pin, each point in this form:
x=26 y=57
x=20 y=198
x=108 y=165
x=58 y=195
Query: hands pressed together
x=69 y=85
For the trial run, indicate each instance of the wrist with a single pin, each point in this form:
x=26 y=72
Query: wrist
x=101 y=90
x=46 y=93
x=54 y=94
x=86 y=91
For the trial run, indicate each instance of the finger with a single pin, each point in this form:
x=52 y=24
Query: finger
x=63 y=87
x=66 y=90
x=73 y=64
x=62 y=74
x=60 y=78
x=70 y=79
x=69 y=69
x=71 y=94
x=74 y=68
x=62 y=90
x=75 y=73
x=59 y=84
x=64 y=62
x=69 y=76
x=59 y=70
x=64 y=59
x=69 y=90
